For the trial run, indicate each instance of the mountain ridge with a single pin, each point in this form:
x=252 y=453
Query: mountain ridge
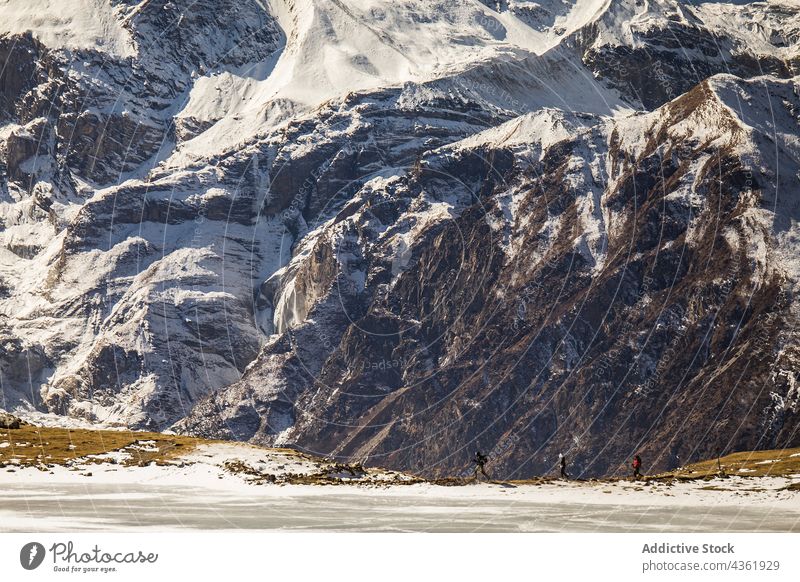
x=269 y=226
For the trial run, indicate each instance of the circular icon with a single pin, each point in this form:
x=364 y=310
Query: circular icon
x=31 y=555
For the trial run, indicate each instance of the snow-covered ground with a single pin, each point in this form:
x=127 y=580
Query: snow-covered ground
x=198 y=492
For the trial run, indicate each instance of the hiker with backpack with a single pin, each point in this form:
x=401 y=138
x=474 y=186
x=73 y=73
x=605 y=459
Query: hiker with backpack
x=637 y=467
x=480 y=460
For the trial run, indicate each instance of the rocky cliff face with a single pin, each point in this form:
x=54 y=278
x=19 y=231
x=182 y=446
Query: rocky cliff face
x=399 y=235
x=621 y=288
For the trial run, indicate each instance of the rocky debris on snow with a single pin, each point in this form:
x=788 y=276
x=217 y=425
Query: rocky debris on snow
x=9 y=421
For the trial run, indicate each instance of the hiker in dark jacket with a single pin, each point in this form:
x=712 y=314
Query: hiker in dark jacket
x=637 y=467
x=563 y=467
x=480 y=460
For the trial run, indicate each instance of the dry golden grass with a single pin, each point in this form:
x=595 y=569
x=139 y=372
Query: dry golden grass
x=745 y=464
x=33 y=445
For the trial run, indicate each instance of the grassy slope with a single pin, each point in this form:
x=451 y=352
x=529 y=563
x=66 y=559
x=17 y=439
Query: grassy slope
x=36 y=446
x=42 y=447
x=749 y=464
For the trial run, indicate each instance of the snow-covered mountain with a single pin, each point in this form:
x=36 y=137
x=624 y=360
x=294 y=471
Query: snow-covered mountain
x=397 y=231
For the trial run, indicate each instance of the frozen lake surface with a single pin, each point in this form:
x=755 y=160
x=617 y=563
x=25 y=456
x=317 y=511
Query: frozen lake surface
x=44 y=507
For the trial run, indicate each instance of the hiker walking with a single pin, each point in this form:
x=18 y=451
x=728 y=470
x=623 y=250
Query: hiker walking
x=480 y=461
x=637 y=467
x=563 y=466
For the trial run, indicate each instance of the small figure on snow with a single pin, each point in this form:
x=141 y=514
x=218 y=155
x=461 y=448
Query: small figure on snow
x=637 y=467
x=480 y=460
x=563 y=460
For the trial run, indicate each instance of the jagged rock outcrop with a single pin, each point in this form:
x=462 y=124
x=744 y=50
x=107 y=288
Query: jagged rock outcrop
x=9 y=421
